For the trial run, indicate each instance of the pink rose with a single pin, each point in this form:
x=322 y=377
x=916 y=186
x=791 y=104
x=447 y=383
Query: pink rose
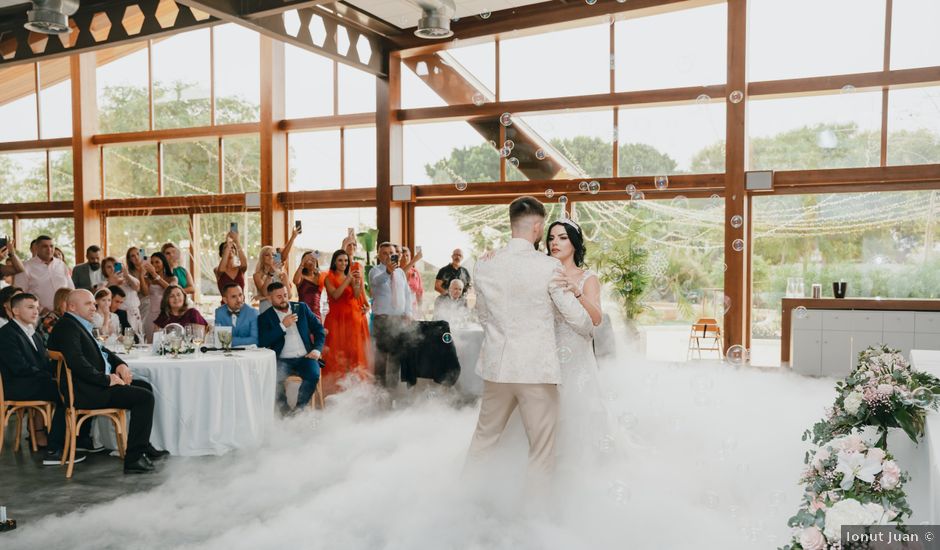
x=885 y=389
x=890 y=474
x=853 y=443
x=876 y=454
x=812 y=538
x=817 y=504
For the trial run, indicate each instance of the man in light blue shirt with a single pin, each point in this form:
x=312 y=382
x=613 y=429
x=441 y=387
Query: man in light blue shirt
x=391 y=314
x=242 y=318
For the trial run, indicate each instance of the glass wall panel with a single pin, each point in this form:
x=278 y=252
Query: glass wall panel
x=241 y=166
x=60 y=174
x=123 y=98
x=308 y=83
x=914 y=126
x=130 y=171
x=448 y=152
x=359 y=157
x=23 y=177
x=672 y=139
x=191 y=167
x=237 y=74
x=181 y=80
x=914 y=40
x=314 y=160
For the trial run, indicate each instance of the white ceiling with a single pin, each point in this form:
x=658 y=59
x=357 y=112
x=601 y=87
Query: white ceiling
x=405 y=14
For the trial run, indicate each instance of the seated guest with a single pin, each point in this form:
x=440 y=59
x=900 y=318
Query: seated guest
x=175 y=308
x=452 y=307
x=102 y=380
x=58 y=310
x=183 y=278
x=6 y=294
x=105 y=321
x=28 y=376
x=117 y=300
x=286 y=328
x=237 y=314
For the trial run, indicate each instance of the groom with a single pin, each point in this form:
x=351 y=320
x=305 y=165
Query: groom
x=516 y=302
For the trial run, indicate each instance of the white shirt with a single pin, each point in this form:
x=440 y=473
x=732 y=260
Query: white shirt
x=28 y=329
x=96 y=277
x=293 y=345
x=44 y=279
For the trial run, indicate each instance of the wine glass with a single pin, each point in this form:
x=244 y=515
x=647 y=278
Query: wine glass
x=128 y=339
x=100 y=334
x=199 y=335
x=225 y=338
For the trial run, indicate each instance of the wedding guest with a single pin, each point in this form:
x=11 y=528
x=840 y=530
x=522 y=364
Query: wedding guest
x=309 y=282
x=12 y=265
x=50 y=319
x=452 y=307
x=44 y=274
x=118 y=297
x=391 y=314
x=88 y=275
x=57 y=253
x=286 y=328
x=28 y=375
x=157 y=278
x=233 y=264
x=7 y=294
x=134 y=261
x=272 y=268
x=183 y=278
x=347 y=329
x=350 y=246
x=408 y=263
x=102 y=380
x=175 y=308
x=116 y=275
x=105 y=321
x=452 y=271
x=237 y=314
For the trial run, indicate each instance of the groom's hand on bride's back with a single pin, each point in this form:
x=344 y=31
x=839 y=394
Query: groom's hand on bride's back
x=487 y=256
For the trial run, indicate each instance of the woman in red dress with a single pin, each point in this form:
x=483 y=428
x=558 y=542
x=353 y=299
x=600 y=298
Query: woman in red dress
x=347 y=336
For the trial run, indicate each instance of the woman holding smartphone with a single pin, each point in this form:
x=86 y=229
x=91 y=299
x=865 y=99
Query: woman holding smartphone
x=271 y=269
x=347 y=331
x=116 y=275
x=157 y=277
x=408 y=263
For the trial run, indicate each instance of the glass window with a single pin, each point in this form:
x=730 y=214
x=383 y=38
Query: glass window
x=130 y=171
x=881 y=244
x=181 y=74
x=359 y=157
x=555 y=64
x=824 y=131
x=191 y=167
x=6 y=228
x=475 y=63
x=60 y=175
x=672 y=139
x=575 y=144
x=694 y=53
x=313 y=160
x=914 y=38
x=448 y=152
x=308 y=83
x=55 y=97
x=356 y=90
x=147 y=232
x=237 y=74
x=213 y=228
x=241 y=163
x=325 y=229
x=23 y=177
x=62 y=231
x=914 y=126
x=415 y=92
x=802 y=38
x=123 y=100
x=18 y=103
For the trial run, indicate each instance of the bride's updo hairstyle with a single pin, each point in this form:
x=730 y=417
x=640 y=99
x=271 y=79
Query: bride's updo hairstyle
x=575 y=236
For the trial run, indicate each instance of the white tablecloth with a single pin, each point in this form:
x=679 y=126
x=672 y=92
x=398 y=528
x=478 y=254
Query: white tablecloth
x=206 y=404
x=929 y=453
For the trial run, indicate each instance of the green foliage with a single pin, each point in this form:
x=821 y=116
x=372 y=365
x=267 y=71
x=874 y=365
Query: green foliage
x=623 y=267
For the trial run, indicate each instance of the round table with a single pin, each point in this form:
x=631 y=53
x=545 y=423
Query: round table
x=206 y=404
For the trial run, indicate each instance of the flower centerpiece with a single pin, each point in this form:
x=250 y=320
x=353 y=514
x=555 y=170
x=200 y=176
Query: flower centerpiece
x=883 y=391
x=849 y=481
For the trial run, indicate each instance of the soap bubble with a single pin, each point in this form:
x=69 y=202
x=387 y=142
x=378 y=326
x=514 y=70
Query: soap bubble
x=514 y=161
x=478 y=99
x=549 y=193
x=447 y=338
x=736 y=96
x=703 y=98
x=736 y=355
x=800 y=312
x=505 y=119
x=661 y=182
x=737 y=245
x=461 y=185
x=737 y=221
x=540 y=154
x=594 y=187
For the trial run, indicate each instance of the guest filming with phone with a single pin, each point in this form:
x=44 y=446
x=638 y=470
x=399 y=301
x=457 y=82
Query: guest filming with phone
x=233 y=263
x=347 y=338
x=391 y=303
x=271 y=269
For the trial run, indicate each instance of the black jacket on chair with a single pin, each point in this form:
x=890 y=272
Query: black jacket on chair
x=81 y=353
x=431 y=357
x=26 y=369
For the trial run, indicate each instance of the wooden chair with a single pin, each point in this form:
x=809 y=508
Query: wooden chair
x=317 y=395
x=706 y=329
x=74 y=418
x=19 y=408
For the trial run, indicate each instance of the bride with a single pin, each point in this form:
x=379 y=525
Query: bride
x=584 y=427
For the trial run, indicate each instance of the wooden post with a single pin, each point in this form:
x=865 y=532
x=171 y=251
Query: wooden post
x=388 y=160
x=85 y=157
x=273 y=143
x=737 y=283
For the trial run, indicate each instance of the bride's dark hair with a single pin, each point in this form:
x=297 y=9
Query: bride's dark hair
x=574 y=235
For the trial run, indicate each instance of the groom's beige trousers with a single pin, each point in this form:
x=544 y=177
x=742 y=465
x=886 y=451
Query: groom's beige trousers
x=538 y=406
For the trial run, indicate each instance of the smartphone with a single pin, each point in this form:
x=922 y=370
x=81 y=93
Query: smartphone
x=143 y=253
x=4 y=241
x=118 y=267
x=395 y=258
x=233 y=227
x=350 y=231
x=297 y=225
x=417 y=250
x=277 y=257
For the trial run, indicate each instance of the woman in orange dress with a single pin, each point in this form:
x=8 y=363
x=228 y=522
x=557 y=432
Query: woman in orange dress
x=347 y=337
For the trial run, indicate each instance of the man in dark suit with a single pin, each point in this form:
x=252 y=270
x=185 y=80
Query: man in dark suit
x=27 y=373
x=286 y=328
x=88 y=274
x=102 y=380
